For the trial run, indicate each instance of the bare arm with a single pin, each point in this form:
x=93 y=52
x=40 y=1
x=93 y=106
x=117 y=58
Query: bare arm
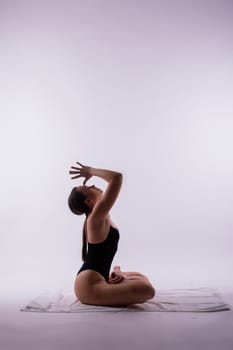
x=114 y=179
x=105 y=174
x=111 y=193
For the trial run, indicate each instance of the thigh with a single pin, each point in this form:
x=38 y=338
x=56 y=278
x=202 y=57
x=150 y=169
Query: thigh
x=130 y=274
x=84 y=282
x=137 y=275
x=122 y=294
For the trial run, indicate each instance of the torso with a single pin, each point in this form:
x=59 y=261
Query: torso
x=98 y=232
x=101 y=250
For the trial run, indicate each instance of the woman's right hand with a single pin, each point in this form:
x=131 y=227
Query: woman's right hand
x=116 y=278
x=117 y=275
x=84 y=171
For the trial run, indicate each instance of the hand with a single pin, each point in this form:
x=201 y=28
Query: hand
x=116 y=278
x=84 y=171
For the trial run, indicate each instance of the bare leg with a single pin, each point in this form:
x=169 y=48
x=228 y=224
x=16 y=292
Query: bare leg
x=118 y=276
x=91 y=288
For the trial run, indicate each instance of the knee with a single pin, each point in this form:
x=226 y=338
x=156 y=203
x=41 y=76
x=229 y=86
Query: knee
x=146 y=290
x=150 y=291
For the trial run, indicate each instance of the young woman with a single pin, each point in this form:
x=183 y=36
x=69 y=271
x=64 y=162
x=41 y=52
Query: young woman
x=93 y=285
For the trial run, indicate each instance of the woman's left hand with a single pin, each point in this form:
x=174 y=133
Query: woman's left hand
x=84 y=171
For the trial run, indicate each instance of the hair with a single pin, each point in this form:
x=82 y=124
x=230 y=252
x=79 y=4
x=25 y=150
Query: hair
x=77 y=205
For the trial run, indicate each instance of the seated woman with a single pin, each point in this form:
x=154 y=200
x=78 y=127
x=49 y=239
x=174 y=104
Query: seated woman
x=93 y=285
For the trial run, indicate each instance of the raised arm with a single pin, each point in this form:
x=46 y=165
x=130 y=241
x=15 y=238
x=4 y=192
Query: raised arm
x=114 y=179
x=111 y=193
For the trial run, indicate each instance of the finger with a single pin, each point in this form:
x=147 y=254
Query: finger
x=73 y=167
x=117 y=278
x=84 y=181
x=113 y=281
x=75 y=172
x=80 y=164
x=75 y=177
x=120 y=280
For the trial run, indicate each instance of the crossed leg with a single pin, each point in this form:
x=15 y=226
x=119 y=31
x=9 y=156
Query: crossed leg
x=132 y=288
x=118 y=276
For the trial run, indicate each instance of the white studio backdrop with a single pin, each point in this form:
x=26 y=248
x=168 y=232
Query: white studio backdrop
x=142 y=87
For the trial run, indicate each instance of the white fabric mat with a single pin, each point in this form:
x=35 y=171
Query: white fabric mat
x=172 y=300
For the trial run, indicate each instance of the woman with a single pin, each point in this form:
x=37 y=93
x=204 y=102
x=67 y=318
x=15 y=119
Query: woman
x=93 y=285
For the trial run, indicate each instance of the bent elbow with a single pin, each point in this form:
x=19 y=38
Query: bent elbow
x=119 y=177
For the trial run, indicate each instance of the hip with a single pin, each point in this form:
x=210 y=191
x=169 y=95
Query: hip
x=86 y=281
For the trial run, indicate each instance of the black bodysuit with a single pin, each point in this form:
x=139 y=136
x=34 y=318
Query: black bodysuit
x=100 y=255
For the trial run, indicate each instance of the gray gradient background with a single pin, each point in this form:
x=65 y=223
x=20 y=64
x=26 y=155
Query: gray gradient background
x=142 y=87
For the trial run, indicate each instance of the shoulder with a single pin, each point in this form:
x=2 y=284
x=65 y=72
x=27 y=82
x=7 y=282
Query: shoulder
x=97 y=230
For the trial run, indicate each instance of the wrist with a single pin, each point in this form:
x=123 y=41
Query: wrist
x=91 y=171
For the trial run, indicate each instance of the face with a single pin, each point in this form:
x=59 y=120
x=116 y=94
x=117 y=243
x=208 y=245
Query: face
x=92 y=192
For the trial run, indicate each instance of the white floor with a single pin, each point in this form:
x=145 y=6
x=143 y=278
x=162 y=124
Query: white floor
x=138 y=331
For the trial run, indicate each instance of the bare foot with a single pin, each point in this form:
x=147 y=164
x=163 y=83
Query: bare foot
x=117 y=269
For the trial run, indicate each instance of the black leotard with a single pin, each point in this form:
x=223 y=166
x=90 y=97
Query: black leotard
x=100 y=255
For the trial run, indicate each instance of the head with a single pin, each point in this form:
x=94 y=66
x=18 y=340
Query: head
x=82 y=199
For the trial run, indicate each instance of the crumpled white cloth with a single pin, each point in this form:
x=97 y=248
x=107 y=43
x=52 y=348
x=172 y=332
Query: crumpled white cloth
x=172 y=300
